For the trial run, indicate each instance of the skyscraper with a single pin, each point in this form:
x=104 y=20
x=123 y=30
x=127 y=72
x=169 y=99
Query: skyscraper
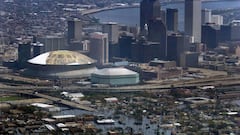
x=206 y=16
x=38 y=48
x=217 y=19
x=163 y=16
x=149 y=9
x=24 y=54
x=157 y=32
x=145 y=51
x=74 y=30
x=231 y=31
x=235 y=30
x=211 y=35
x=225 y=33
x=52 y=42
x=125 y=43
x=193 y=19
x=112 y=30
x=99 y=47
x=172 y=19
x=177 y=44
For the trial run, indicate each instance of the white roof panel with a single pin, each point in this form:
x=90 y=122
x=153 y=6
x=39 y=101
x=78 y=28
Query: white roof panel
x=115 y=71
x=40 y=59
x=63 y=116
x=61 y=57
x=41 y=105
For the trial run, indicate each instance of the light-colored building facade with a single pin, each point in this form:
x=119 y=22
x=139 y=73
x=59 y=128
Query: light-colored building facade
x=99 y=47
x=112 y=29
x=52 y=43
x=193 y=19
x=217 y=19
x=206 y=16
x=74 y=30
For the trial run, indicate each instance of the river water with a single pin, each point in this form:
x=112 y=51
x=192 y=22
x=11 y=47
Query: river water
x=130 y=16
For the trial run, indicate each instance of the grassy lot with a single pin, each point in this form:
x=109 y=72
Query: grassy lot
x=10 y=98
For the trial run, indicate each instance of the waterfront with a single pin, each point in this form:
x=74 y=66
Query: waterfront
x=130 y=16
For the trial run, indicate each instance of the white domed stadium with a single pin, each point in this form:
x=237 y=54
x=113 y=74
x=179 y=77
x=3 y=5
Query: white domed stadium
x=61 y=64
x=115 y=76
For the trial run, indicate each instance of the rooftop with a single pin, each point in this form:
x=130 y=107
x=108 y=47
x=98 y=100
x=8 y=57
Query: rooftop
x=115 y=71
x=61 y=57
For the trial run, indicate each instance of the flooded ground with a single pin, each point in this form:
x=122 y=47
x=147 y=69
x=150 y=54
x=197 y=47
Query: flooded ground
x=122 y=122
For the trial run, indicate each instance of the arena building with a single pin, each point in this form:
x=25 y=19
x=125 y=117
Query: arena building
x=61 y=64
x=115 y=76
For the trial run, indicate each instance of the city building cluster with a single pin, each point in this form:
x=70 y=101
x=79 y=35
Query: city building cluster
x=206 y=42
x=135 y=80
x=158 y=35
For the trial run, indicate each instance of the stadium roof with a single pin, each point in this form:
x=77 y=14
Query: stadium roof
x=61 y=57
x=115 y=72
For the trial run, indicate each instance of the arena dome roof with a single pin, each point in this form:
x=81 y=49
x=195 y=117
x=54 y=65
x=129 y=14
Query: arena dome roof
x=115 y=76
x=115 y=72
x=61 y=57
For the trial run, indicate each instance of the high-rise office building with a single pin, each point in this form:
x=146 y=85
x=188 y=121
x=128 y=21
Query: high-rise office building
x=125 y=43
x=24 y=54
x=235 y=30
x=211 y=35
x=52 y=43
x=99 y=47
x=193 y=19
x=189 y=59
x=74 y=30
x=217 y=19
x=172 y=19
x=157 y=32
x=206 y=16
x=198 y=47
x=225 y=33
x=38 y=48
x=163 y=16
x=177 y=44
x=231 y=31
x=149 y=9
x=144 y=51
x=112 y=30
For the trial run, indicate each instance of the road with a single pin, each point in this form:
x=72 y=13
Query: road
x=220 y=81
x=28 y=90
x=54 y=99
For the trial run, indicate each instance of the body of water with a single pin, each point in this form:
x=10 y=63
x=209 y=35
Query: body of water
x=128 y=121
x=130 y=16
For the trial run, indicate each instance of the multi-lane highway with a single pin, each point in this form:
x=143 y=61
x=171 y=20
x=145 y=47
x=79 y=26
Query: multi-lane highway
x=29 y=90
x=218 y=81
